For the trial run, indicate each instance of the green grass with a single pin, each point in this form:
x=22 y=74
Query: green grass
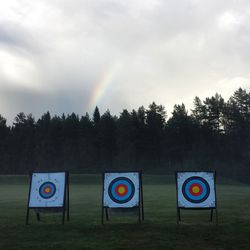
x=158 y=231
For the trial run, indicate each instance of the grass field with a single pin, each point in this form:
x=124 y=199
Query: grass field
x=158 y=231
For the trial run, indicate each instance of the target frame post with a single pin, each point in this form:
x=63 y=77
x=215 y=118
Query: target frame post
x=215 y=193
x=104 y=209
x=141 y=195
x=178 y=218
x=179 y=208
x=140 y=200
x=102 y=198
x=67 y=176
x=65 y=202
x=28 y=201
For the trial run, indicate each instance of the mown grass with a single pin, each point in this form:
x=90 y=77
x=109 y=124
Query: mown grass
x=158 y=231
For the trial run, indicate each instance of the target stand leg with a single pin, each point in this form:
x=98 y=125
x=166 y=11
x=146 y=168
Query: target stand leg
x=216 y=217
x=141 y=194
x=139 y=215
x=63 y=216
x=107 y=214
x=102 y=216
x=211 y=214
x=67 y=198
x=67 y=214
x=38 y=216
x=178 y=215
x=67 y=209
x=142 y=213
x=27 y=216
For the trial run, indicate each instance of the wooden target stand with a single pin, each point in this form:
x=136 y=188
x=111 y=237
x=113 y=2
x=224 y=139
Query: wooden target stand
x=137 y=210
x=64 y=209
x=211 y=209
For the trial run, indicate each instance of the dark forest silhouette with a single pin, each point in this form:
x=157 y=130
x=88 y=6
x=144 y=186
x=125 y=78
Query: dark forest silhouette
x=215 y=135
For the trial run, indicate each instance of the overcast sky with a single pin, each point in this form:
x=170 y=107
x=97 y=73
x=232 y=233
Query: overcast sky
x=70 y=55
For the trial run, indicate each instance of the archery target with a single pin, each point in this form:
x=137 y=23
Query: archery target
x=121 y=189
x=196 y=189
x=47 y=190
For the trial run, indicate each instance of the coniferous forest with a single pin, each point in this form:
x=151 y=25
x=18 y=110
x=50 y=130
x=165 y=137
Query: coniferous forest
x=214 y=135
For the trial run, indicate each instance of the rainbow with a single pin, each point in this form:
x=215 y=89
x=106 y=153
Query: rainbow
x=102 y=85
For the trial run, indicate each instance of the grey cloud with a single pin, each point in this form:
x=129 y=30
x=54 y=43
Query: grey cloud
x=14 y=101
x=17 y=38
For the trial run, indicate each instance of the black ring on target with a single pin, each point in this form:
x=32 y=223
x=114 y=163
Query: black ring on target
x=196 y=181
x=47 y=190
x=127 y=184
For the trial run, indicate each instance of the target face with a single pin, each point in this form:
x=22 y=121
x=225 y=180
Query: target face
x=121 y=189
x=196 y=189
x=47 y=189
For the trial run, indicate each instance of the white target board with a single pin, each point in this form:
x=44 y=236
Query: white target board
x=196 y=190
x=47 y=190
x=121 y=190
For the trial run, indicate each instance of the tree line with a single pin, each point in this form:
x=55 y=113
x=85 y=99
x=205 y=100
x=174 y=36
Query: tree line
x=215 y=135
